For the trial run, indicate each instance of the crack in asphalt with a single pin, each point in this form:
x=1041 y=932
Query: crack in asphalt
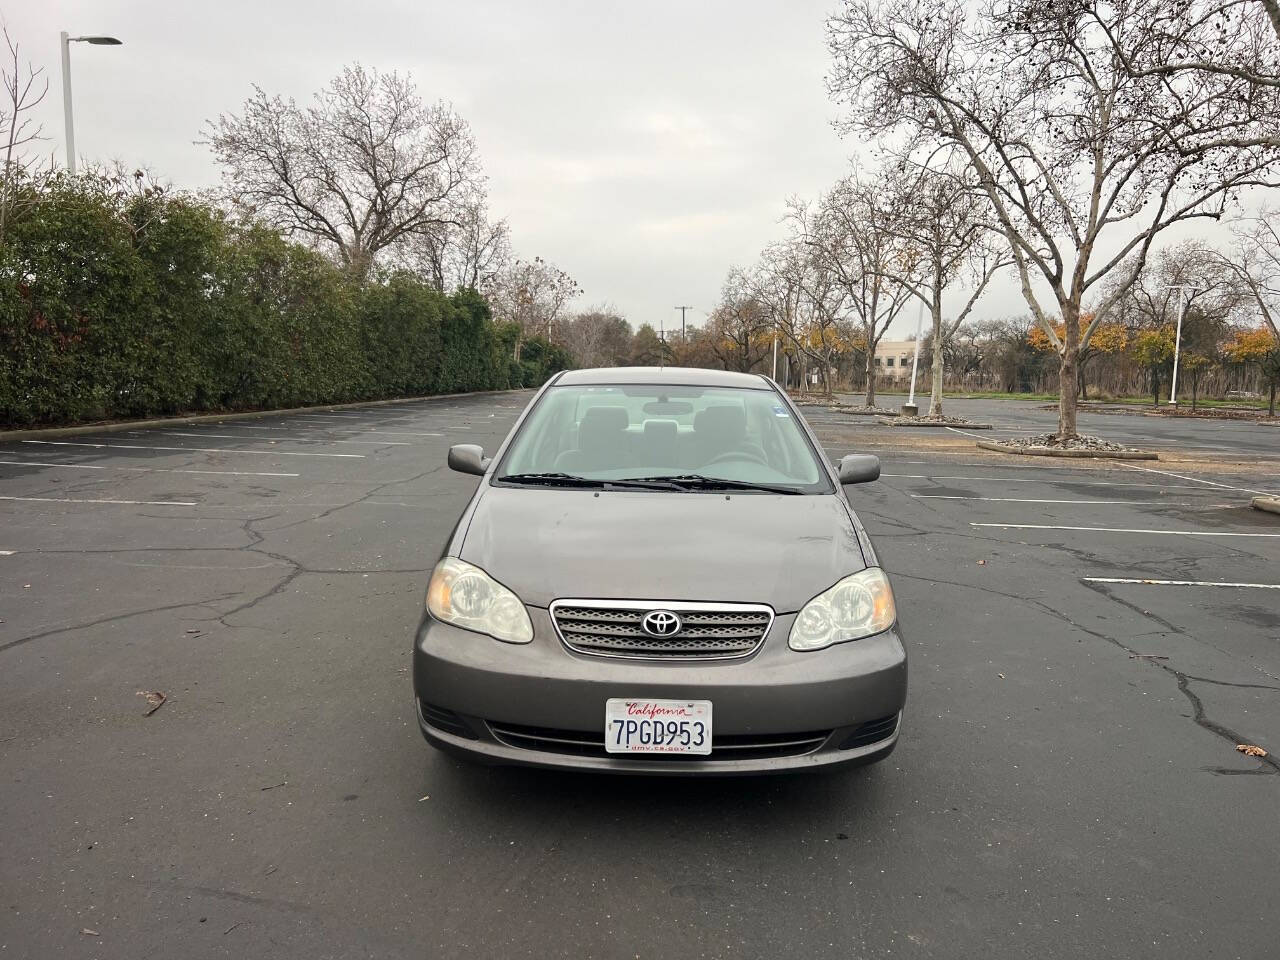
x=1183 y=680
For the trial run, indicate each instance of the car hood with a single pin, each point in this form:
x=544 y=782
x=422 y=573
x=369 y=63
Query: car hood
x=556 y=544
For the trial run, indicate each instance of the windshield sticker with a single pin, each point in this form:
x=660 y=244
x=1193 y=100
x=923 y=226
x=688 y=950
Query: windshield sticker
x=779 y=411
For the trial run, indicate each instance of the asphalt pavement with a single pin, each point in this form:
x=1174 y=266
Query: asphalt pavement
x=1067 y=784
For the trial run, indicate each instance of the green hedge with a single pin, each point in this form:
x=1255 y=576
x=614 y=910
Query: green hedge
x=119 y=303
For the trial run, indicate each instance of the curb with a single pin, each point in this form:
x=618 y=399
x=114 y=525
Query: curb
x=120 y=426
x=1072 y=454
x=863 y=413
x=1269 y=504
x=891 y=422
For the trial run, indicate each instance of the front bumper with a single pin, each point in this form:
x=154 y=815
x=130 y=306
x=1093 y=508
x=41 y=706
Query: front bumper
x=539 y=704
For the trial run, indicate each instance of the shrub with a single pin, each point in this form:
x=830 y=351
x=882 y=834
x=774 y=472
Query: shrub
x=118 y=300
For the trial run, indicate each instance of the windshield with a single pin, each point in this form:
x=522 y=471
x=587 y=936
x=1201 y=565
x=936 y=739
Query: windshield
x=635 y=431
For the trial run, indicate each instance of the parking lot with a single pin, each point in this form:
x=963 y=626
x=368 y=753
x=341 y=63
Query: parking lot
x=1067 y=784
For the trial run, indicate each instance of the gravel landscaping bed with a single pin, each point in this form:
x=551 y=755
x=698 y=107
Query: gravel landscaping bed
x=866 y=411
x=941 y=421
x=1050 y=445
x=1081 y=442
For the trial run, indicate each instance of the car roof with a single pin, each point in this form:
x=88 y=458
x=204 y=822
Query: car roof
x=682 y=376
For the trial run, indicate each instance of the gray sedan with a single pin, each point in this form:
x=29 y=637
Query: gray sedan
x=660 y=572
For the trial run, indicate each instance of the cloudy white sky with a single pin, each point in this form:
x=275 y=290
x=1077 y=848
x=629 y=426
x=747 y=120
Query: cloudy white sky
x=644 y=147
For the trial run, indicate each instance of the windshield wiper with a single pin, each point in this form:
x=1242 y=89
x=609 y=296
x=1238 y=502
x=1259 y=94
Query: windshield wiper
x=587 y=483
x=697 y=481
x=550 y=480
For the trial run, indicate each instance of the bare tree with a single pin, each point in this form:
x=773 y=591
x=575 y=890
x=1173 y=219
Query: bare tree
x=1253 y=264
x=533 y=293
x=597 y=337
x=803 y=300
x=854 y=233
x=1236 y=39
x=1083 y=163
x=944 y=225
x=469 y=252
x=361 y=169
x=740 y=326
x=24 y=89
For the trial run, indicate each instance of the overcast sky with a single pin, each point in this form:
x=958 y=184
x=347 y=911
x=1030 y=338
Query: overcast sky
x=643 y=147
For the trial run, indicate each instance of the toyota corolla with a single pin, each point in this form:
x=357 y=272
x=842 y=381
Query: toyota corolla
x=660 y=572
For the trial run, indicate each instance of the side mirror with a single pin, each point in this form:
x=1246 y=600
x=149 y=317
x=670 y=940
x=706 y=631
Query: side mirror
x=470 y=458
x=859 y=468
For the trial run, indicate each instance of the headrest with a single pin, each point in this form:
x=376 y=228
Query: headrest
x=726 y=421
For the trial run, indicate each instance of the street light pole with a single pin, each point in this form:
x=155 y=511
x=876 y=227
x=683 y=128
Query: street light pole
x=915 y=360
x=1177 y=337
x=66 y=41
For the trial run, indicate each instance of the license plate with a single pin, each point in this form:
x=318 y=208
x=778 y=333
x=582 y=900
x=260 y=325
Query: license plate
x=657 y=726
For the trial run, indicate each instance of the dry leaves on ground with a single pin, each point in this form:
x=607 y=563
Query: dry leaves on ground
x=155 y=700
x=1249 y=750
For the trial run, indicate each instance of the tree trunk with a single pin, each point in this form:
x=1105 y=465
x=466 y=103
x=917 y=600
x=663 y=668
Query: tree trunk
x=871 y=377
x=1271 y=405
x=1155 y=387
x=935 y=370
x=1084 y=390
x=1069 y=360
x=1195 y=389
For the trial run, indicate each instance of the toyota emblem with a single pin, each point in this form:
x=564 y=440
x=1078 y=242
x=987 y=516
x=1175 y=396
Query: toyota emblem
x=661 y=623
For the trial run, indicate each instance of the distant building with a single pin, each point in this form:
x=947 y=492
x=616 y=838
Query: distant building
x=893 y=358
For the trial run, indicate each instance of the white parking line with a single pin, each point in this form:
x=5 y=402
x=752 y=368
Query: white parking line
x=938 y=496
x=136 y=503
x=7 y=553
x=236 y=436
x=1211 y=483
x=1172 y=533
x=389 y=433
x=134 y=446
x=1083 y=483
x=87 y=466
x=1181 y=583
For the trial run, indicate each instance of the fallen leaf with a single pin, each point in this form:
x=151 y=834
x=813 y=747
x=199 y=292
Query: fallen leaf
x=1000 y=675
x=1249 y=750
x=155 y=700
x=982 y=563
x=428 y=797
x=90 y=933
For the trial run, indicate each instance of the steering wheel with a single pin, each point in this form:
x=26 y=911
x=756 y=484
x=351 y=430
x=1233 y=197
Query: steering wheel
x=749 y=455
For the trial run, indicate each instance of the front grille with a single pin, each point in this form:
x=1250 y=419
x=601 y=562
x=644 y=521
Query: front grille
x=577 y=743
x=873 y=731
x=708 y=631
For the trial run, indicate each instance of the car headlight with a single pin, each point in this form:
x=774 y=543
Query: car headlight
x=858 y=606
x=462 y=594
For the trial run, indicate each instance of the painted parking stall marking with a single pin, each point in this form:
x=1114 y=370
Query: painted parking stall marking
x=95 y=466
x=135 y=446
x=1170 y=533
x=135 y=503
x=1181 y=583
x=1092 y=503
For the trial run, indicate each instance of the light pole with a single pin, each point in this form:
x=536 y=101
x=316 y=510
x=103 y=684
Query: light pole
x=910 y=408
x=1177 y=337
x=66 y=87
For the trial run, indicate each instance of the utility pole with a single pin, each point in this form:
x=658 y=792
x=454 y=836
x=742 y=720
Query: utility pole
x=683 y=336
x=1177 y=337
